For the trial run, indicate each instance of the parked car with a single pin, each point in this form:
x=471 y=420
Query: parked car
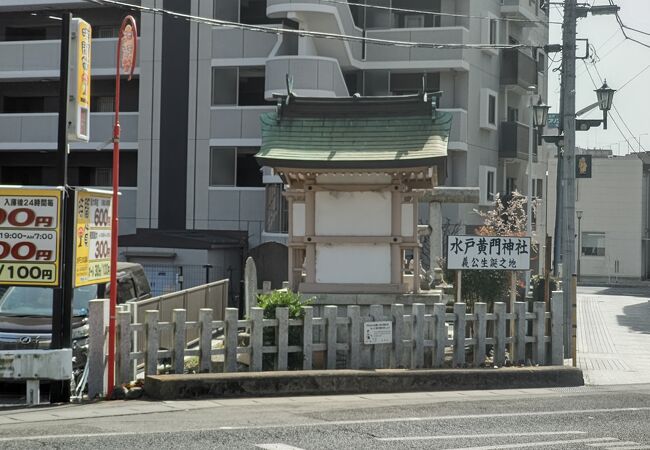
x=26 y=312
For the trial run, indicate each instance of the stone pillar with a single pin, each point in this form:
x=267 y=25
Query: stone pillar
x=250 y=285
x=435 y=239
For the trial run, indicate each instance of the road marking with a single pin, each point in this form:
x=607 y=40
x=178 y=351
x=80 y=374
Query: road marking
x=436 y=418
x=538 y=444
x=477 y=436
x=277 y=447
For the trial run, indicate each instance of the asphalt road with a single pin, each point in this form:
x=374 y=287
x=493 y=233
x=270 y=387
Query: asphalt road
x=585 y=417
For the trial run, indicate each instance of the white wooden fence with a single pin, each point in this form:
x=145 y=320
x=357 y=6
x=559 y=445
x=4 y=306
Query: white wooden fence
x=419 y=340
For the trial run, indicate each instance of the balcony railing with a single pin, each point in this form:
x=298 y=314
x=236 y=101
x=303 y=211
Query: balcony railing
x=518 y=69
x=514 y=140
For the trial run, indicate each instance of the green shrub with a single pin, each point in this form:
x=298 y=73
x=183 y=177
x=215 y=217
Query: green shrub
x=281 y=299
x=538 y=287
x=487 y=286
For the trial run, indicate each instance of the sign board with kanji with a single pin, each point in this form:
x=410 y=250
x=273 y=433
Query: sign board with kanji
x=79 y=81
x=30 y=235
x=553 y=120
x=488 y=253
x=380 y=332
x=92 y=250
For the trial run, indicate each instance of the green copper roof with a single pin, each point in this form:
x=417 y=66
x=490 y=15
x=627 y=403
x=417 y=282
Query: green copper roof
x=369 y=138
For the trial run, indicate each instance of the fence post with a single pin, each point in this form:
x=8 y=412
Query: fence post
x=230 y=340
x=539 y=327
x=307 y=337
x=205 y=340
x=520 y=332
x=354 y=332
x=178 y=355
x=97 y=346
x=557 y=329
x=282 y=337
x=440 y=336
x=257 y=338
x=417 y=359
x=376 y=350
x=152 y=336
x=459 y=334
x=397 y=355
x=500 y=334
x=330 y=316
x=123 y=347
x=480 y=309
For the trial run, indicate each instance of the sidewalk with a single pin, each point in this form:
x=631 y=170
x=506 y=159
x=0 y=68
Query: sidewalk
x=613 y=341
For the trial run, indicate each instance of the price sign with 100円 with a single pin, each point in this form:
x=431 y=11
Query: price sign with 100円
x=92 y=258
x=29 y=235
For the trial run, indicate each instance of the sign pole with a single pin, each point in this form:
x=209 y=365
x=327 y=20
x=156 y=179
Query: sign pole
x=459 y=279
x=61 y=316
x=126 y=55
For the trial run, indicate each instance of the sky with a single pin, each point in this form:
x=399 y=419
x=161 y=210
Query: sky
x=618 y=61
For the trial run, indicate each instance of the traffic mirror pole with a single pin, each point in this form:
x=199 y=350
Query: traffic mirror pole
x=126 y=56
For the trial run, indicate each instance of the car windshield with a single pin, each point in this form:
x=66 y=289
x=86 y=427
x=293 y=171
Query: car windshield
x=37 y=301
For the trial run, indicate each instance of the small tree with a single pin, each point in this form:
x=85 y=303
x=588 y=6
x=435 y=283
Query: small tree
x=507 y=218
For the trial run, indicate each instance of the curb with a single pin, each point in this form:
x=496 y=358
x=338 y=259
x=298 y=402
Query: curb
x=328 y=382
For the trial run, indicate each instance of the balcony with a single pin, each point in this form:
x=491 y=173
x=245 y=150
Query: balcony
x=524 y=9
x=38 y=131
x=514 y=140
x=426 y=58
x=237 y=122
x=232 y=43
x=313 y=76
x=518 y=69
x=40 y=59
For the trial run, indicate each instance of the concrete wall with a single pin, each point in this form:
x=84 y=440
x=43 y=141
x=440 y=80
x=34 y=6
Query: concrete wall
x=612 y=201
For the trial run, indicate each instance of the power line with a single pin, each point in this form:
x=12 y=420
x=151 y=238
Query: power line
x=435 y=13
x=617 y=113
x=623 y=27
x=301 y=33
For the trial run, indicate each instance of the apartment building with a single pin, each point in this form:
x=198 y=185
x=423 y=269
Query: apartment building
x=191 y=117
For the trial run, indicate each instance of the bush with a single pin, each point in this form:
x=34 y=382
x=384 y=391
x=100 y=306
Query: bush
x=538 y=287
x=281 y=299
x=487 y=286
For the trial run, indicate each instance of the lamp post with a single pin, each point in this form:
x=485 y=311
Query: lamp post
x=579 y=216
x=127 y=44
x=605 y=96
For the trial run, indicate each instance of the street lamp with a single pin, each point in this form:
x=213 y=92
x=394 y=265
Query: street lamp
x=579 y=216
x=540 y=118
x=605 y=96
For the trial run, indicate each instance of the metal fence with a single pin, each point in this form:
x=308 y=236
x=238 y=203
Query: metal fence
x=166 y=278
x=419 y=340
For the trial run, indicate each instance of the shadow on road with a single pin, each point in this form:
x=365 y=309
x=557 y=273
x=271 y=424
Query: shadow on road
x=636 y=317
x=625 y=291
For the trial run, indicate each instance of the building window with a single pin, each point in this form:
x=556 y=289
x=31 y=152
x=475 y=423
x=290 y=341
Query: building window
x=251 y=87
x=489 y=107
x=513 y=114
x=238 y=86
x=492 y=110
x=487 y=184
x=412 y=83
x=538 y=188
x=593 y=244
x=511 y=184
x=224 y=85
x=493 y=31
x=227 y=10
x=230 y=166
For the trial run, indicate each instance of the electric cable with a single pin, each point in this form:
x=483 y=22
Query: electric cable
x=303 y=33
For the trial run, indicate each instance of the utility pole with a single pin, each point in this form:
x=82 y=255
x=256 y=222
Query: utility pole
x=568 y=160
